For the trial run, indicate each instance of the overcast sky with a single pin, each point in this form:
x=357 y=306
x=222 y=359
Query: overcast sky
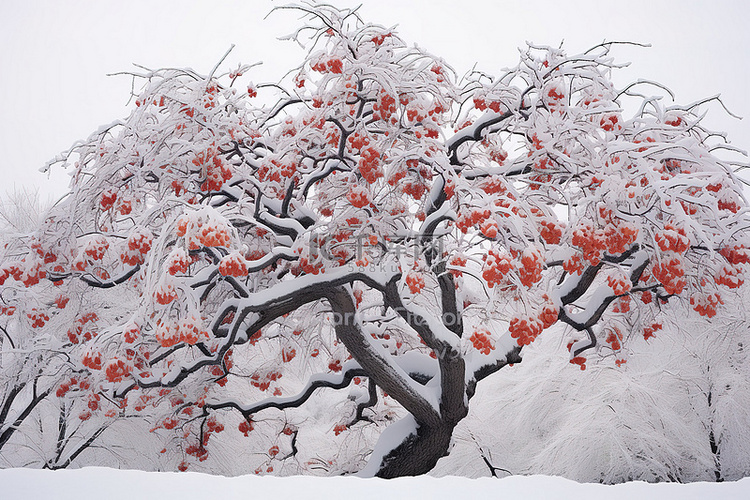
x=55 y=54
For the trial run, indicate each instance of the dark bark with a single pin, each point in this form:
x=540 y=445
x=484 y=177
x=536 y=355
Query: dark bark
x=295 y=402
x=418 y=454
x=376 y=367
x=81 y=448
x=11 y=429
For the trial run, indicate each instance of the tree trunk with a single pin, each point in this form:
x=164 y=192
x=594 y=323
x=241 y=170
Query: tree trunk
x=418 y=454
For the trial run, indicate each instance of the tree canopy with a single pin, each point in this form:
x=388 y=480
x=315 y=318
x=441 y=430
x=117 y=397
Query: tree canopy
x=374 y=224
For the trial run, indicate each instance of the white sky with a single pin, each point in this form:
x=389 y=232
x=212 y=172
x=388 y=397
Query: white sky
x=54 y=55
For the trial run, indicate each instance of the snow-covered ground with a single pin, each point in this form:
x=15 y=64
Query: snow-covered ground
x=97 y=483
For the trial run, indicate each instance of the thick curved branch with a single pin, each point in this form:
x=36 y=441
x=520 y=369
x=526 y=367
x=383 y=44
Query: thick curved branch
x=473 y=133
x=372 y=392
x=98 y=283
x=268 y=305
x=330 y=381
x=578 y=286
x=511 y=356
x=445 y=343
x=388 y=376
x=600 y=302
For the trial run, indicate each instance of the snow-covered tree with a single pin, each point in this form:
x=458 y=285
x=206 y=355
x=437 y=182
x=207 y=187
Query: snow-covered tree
x=37 y=370
x=678 y=412
x=373 y=225
x=28 y=374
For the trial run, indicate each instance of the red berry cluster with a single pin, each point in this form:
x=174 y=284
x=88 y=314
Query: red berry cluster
x=397 y=173
x=618 y=236
x=334 y=65
x=614 y=339
x=672 y=239
x=648 y=331
x=591 y=242
x=556 y=93
x=138 y=245
x=729 y=276
x=379 y=39
x=489 y=228
x=233 y=264
x=622 y=304
x=177 y=261
x=465 y=221
x=532 y=263
x=108 y=199
x=573 y=264
x=579 y=360
x=550 y=313
x=493 y=185
x=357 y=141
x=481 y=104
x=70 y=385
x=358 y=196
x=496 y=266
x=385 y=106
x=214 y=234
x=96 y=247
x=246 y=426
x=449 y=188
x=525 y=330
x=191 y=331
x=414 y=188
x=165 y=294
x=481 y=341
x=198 y=451
x=77 y=334
x=288 y=354
x=10 y=270
x=457 y=262
x=131 y=333
x=415 y=281
x=61 y=301
x=38 y=318
x=670 y=273
x=551 y=231
x=217 y=173
x=212 y=426
x=92 y=360
x=620 y=285
x=369 y=165
x=116 y=369
x=736 y=255
x=705 y=304
x=264 y=383
x=610 y=122
x=167 y=333
x=307 y=267
x=675 y=121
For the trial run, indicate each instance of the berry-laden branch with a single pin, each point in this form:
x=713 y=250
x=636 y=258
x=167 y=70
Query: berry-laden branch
x=327 y=380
